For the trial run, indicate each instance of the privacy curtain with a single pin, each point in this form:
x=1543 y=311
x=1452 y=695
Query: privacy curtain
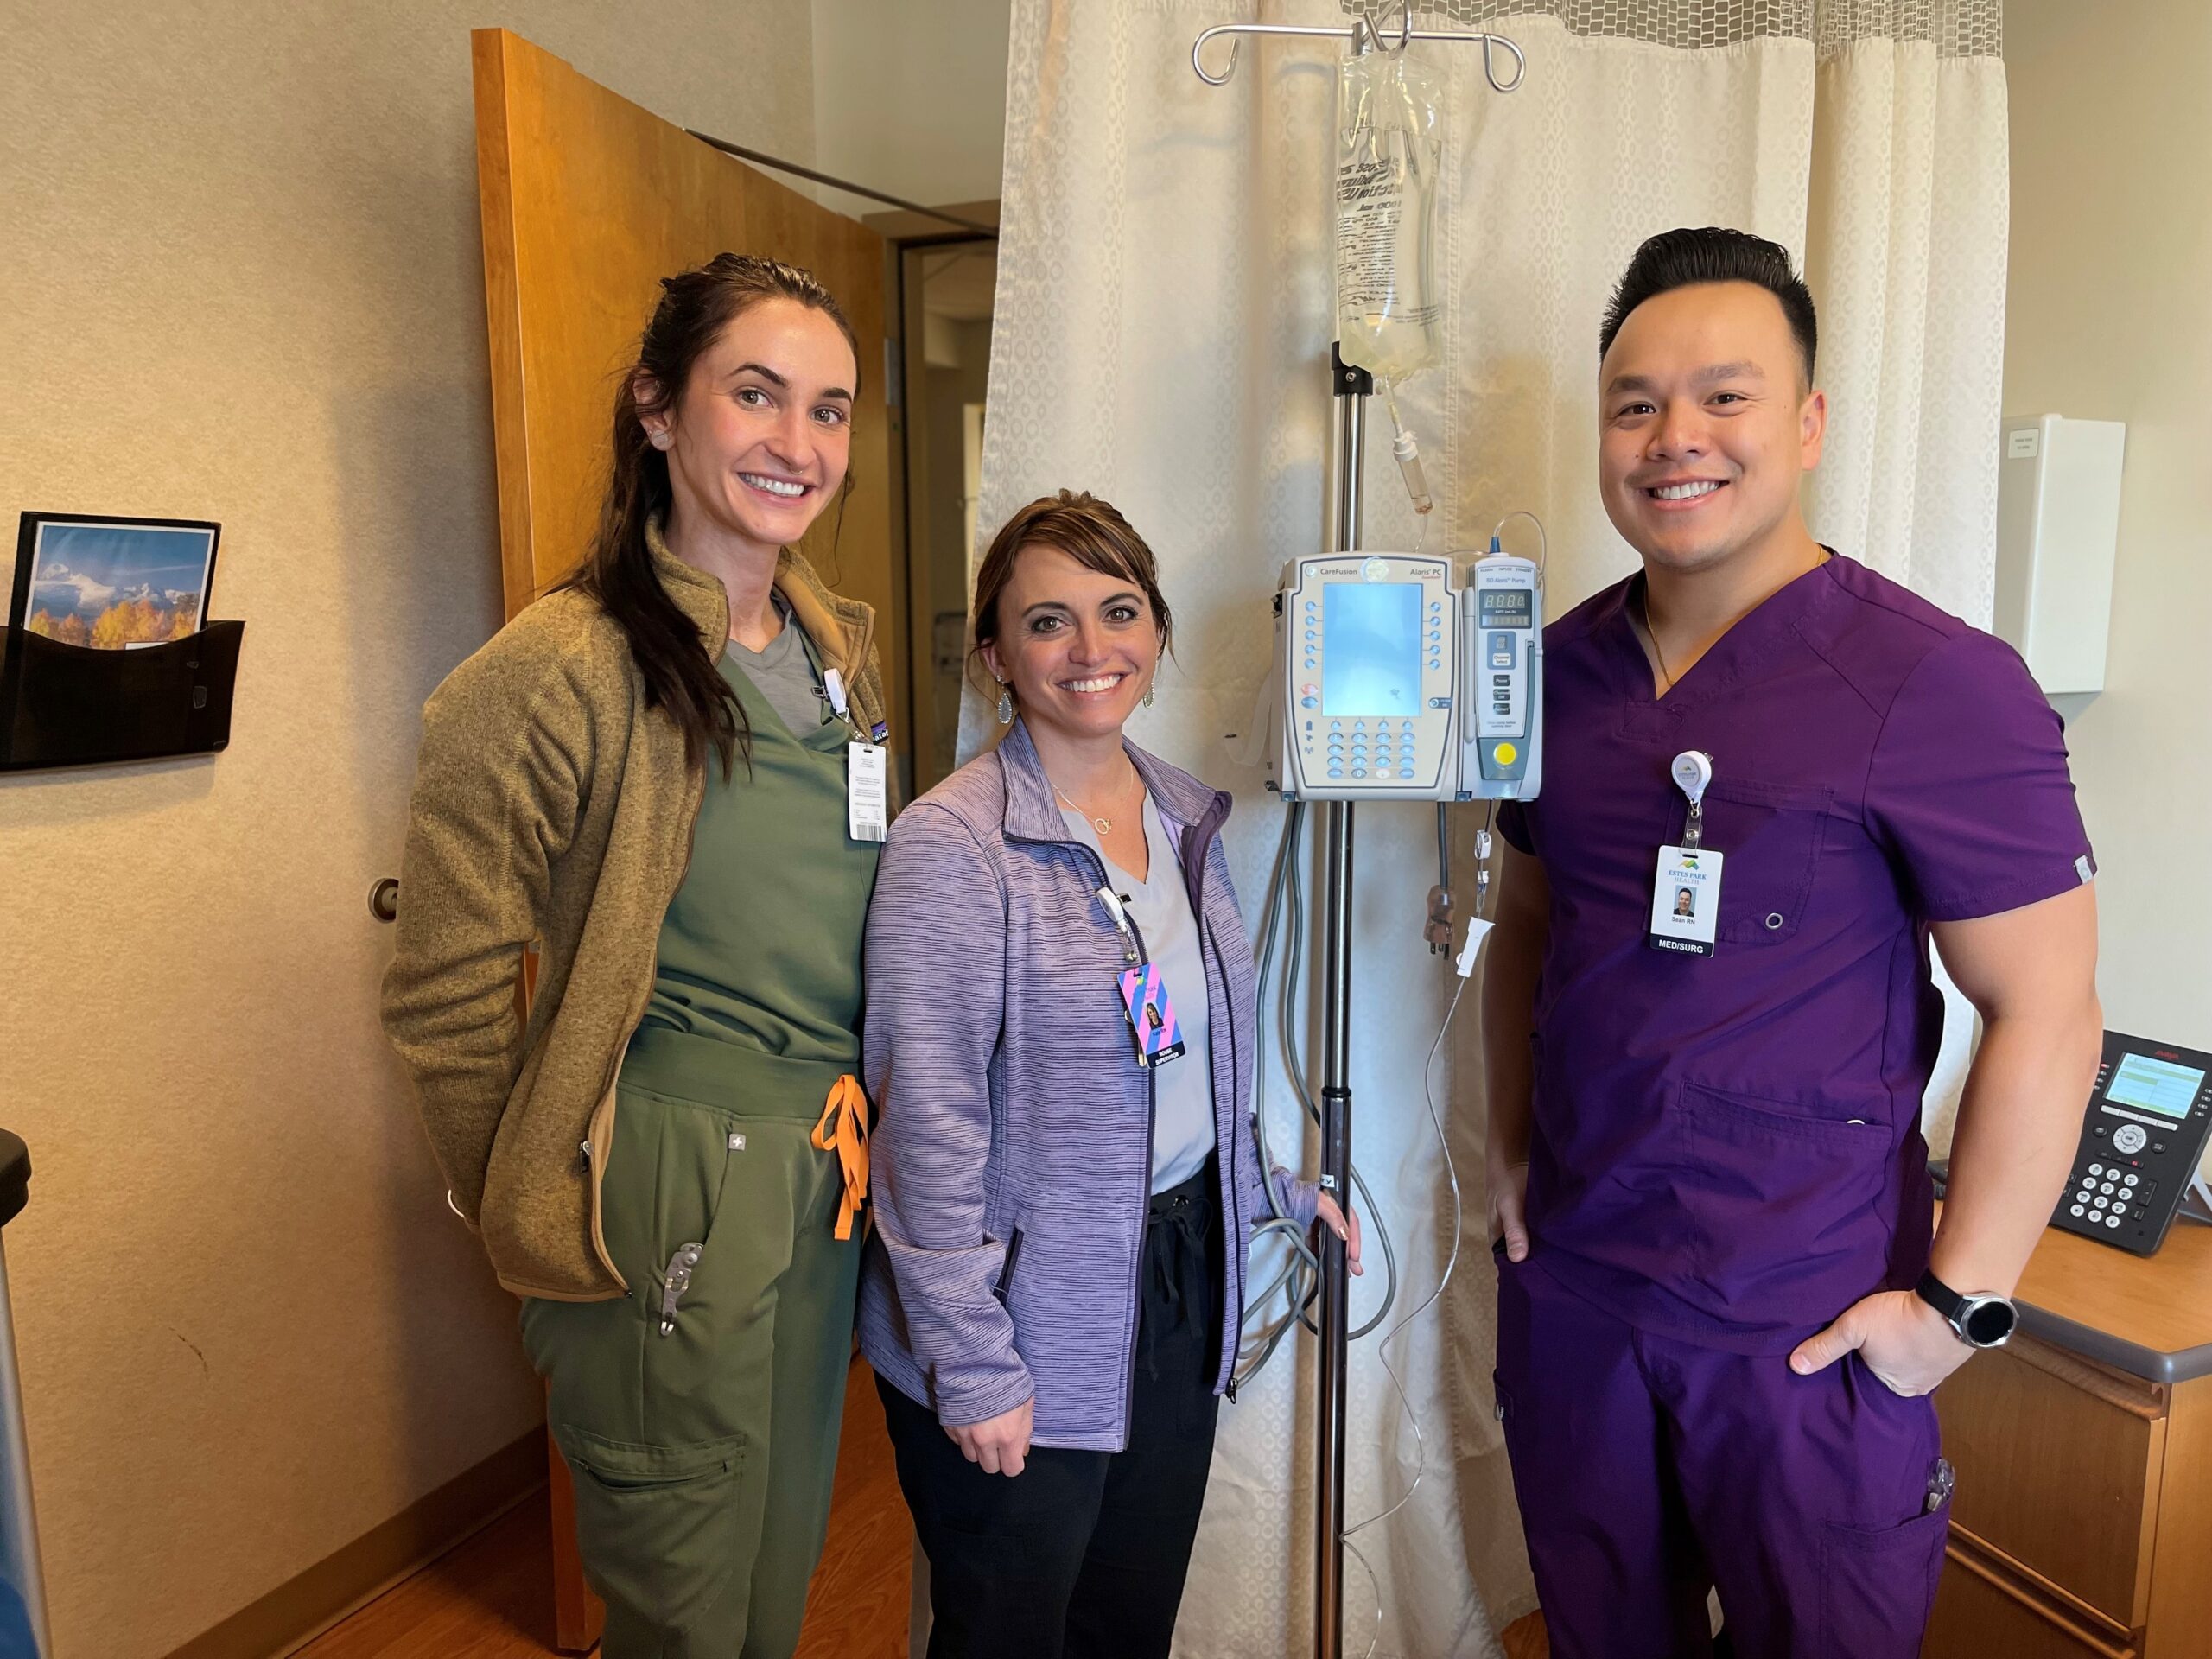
x=1161 y=338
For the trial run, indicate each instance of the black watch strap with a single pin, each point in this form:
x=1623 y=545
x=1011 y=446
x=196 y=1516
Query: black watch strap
x=1939 y=1296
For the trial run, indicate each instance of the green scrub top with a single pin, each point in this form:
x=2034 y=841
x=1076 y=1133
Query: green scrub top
x=761 y=945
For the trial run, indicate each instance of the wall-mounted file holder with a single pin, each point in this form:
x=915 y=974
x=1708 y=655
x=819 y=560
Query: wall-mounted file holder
x=65 y=705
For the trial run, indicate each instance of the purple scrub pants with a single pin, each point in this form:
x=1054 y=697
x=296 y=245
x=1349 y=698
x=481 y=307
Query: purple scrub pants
x=1650 y=1469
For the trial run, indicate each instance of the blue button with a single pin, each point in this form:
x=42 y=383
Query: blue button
x=1336 y=772
x=1336 y=725
x=1407 y=773
x=1359 y=772
x=1309 y=703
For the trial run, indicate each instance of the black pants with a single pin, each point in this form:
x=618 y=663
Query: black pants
x=1083 y=1554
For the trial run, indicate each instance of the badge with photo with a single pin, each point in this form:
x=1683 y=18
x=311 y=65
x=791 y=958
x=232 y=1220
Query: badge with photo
x=111 y=584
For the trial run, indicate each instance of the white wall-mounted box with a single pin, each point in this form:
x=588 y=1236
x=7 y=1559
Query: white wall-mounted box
x=2057 y=536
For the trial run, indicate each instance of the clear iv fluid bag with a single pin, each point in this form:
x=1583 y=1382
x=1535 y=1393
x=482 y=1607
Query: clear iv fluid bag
x=1388 y=154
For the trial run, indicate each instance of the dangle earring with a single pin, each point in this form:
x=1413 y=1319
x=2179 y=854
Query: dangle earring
x=1006 y=705
x=1150 y=685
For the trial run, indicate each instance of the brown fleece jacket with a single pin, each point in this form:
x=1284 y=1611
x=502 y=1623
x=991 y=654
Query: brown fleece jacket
x=554 y=810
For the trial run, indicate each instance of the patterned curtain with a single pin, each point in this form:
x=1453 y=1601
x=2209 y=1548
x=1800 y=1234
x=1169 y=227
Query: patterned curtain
x=1161 y=337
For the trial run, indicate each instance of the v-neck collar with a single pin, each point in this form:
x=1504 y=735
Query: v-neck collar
x=760 y=711
x=1751 y=641
x=1158 y=847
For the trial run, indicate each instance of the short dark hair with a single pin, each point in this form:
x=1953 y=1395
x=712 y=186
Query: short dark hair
x=1682 y=258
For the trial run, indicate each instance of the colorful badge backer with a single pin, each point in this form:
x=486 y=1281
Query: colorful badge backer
x=1152 y=1016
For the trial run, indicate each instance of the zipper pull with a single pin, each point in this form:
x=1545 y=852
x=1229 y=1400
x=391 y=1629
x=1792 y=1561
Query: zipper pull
x=1112 y=900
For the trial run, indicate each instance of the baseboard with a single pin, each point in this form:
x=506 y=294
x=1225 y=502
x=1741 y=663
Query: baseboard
x=300 y=1609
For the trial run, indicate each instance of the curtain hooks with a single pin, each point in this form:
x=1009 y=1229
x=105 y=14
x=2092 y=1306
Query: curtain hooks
x=1490 y=64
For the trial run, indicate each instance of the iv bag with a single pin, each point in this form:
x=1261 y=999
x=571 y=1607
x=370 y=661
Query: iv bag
x=1388 y=152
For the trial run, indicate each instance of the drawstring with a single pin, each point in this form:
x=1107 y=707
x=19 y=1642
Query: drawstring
x=1175 y=1240
x=843 y=1129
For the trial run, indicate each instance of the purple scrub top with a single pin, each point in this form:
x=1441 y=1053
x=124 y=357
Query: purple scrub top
x=1727 y=1149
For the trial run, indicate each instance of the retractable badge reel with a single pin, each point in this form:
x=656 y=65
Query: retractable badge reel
x=1686 y=894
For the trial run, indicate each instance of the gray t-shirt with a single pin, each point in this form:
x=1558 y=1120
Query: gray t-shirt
x=1182 y=1127
x=785 y=675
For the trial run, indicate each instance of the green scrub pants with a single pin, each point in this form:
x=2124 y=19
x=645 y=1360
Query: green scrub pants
x=699 y=1414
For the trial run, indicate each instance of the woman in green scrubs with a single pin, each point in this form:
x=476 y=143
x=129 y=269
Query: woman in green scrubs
x=644 y=776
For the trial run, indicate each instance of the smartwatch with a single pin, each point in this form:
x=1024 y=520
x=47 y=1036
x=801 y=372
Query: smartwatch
x=1979 y=1321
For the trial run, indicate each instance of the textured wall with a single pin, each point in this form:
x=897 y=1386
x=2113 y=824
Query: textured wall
x=242 y=282
x=2112 y=234
x=911 y=98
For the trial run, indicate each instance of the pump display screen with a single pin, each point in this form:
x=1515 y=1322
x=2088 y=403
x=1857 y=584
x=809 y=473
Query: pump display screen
x=1370 y=639
x=2154 y=1085
x=1504 y=607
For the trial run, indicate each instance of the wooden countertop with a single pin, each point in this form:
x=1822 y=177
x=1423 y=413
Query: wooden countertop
x=2149 y=1316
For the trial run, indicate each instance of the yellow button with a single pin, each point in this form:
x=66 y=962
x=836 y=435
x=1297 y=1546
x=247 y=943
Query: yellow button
x=1506 y=753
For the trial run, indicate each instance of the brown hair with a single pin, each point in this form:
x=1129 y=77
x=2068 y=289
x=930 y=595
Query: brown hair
x=1088 y=531
x=680 y=671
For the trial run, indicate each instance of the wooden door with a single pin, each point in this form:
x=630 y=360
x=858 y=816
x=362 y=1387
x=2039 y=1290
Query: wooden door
x=588 y=201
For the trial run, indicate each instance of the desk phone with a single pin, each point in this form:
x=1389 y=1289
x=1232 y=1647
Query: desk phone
x=2142 y=1138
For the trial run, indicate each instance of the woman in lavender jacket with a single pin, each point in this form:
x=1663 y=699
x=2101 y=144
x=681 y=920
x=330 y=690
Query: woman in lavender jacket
x=1053 y=1297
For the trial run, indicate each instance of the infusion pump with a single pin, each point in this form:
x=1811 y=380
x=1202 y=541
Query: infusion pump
x=1409 y=677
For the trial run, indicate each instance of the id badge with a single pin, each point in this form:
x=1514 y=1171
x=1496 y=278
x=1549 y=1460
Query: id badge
x=867 y=793
x=1686 y=901
x=1152 y=1016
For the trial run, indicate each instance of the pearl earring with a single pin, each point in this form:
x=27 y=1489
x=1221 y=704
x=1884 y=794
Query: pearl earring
x=1006 y=705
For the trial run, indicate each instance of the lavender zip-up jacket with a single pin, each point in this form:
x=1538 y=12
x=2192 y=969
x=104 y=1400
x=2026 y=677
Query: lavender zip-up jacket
x=1012 y=1162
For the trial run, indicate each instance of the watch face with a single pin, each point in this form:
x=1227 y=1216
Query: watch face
x=1989 y=1323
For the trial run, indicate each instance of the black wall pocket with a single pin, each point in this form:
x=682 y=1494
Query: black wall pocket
x=64 y=705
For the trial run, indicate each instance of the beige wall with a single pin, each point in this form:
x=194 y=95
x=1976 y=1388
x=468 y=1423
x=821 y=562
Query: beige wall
x=2108 y=319
x=910 y=98
x=242 y=281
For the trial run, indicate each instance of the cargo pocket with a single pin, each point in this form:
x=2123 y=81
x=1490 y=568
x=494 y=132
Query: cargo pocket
x=1769 y=838
x=1780 y=1203
x=657 y=1526
x=1878 y=1587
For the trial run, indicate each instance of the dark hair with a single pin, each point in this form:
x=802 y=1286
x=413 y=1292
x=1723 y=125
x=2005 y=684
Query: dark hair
x=1676 y=259
x=1087 y=529
x=679 y=670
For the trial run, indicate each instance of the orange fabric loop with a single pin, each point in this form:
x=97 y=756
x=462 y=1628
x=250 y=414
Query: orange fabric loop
x=843 y=1130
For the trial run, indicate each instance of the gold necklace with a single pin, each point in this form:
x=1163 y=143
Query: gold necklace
x=1103 y=825
x=1651 y=632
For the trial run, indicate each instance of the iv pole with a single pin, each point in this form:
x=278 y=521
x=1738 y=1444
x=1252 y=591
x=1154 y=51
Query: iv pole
x=1352 y=386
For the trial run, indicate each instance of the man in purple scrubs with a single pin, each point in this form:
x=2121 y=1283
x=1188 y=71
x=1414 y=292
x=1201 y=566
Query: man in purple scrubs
x=1720 y=1280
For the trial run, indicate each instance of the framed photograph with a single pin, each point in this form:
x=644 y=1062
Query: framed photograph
x=111 y=584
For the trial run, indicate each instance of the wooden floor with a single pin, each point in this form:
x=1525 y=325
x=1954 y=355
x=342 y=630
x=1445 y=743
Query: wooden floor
x=491 y=1598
